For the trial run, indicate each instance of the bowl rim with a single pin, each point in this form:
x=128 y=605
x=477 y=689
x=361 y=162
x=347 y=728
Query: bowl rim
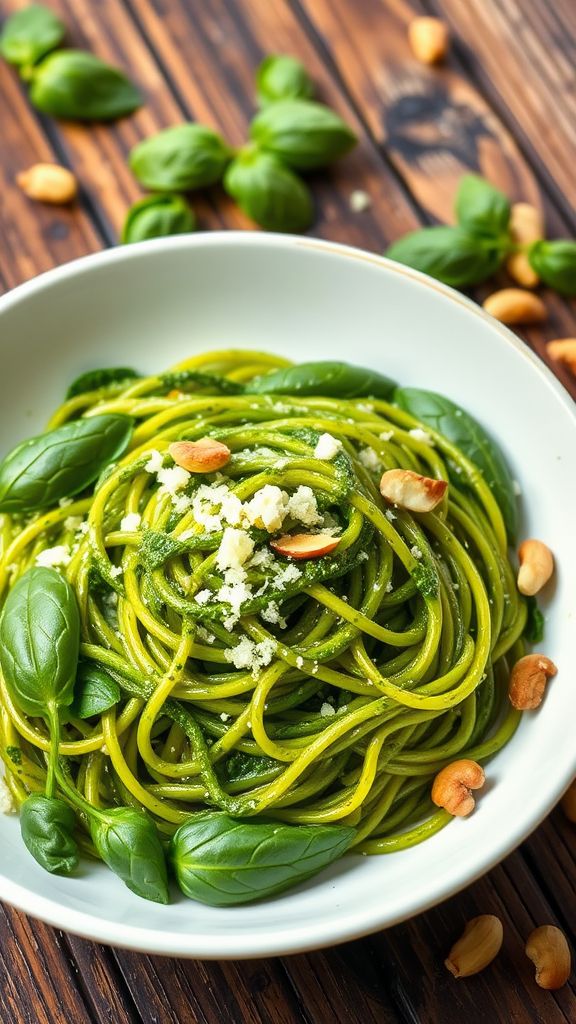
x=279 y=941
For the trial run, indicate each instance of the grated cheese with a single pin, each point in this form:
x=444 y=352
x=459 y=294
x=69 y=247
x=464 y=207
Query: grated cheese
x=131 y=522
x=326 y=711
x=421 y=435
x=268 y=508
x=327 y=447
x=369 y=459
x=302 y=506
x=173 y=479
x=53 y=558
x=155 y=462
x=236 y=547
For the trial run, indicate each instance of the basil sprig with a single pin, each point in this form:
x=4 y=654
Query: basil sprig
x=224 y=862
x=79 y=86
x=450 y=254
x=463 y=430
x=181 y=158
x=157 y=216
x=281 y=77
x=62 y=462
x=106 y=377
x=47 y=827
x=269 y=192
x=330 y=378
x=128 y=841
x=29 y=34
x=302 y=133
x=94 y=692
x=481 y=208
x=555 y=263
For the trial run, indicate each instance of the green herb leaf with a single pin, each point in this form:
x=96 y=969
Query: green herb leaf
x=268 y=192
x=62 y=462
x=157 y=216
x=47 y=827
x=128 y=841
x=302 y=134
x=481 y=208
x=281 y=77
x=330 y=378
x=181 y=158
x=93 y=380
x=555 y=263
x=426 y=579
x=451 y=255
x=156 y=548
x=39 y=641
x=181 y=378
x=94 y=693
x=534 y=628
x=29 y=34
x=461 y=429
x=78 y=86
x=223 y=862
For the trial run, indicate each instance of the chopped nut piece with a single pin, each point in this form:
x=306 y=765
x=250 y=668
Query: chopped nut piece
x=412 y=491
x=428 y=38
x=48 y=183
x=452 y=787
x=305 y=545
x=563 y=350
x=515 y=306
x=528 y=681
x=549 y=951
x=476 y=947
x=536 y=566
x=525 y=226
x=203 y=456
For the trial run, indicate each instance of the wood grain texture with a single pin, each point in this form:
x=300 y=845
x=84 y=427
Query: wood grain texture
x=488 y=110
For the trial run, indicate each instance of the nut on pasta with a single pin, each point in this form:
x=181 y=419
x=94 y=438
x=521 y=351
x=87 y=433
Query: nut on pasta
x=452 y=787
x=412 y=491
x=203 y=456
x=305 y=545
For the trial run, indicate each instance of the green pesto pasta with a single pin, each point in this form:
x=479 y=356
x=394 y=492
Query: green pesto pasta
x=322 y=691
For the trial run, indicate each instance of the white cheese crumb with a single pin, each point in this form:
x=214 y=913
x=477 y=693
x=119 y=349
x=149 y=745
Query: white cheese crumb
x=363 y=556
x=516 y=488
x=252 y=656
x=7 y=804
x=359 y=201
x=327 y=447
x=268 y=508
x=116 y=570
x=64 y=502
x=286 y=574
x=389 y=588
x=369 y=459
x=155 y=462
x=203 y=596
x=236 y=547
x=387 y=435
x=173 y=479
x=421 y=435
x=302 y=506
x=327 y=710
x=262 y=558
x=390 y=515
x=415 y=551
x=181 y=503
x=224 y=717
x=299 y=662
x=52 y=558
x=131 y=522
x=73 y=523
x=271 y=613
x=204 y=635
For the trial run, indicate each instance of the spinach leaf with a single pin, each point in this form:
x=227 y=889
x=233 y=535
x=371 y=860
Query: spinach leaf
x=78 y=86
x=461 y=429
x=95 y=691
x=47 y=827
x=332 y=379
x=223 y=862
x=128 y=841
x=534 y=628
x=452 y=255
x=95 y=379
x=29 y=34
x=481 y=208
x=39 y=641
x=62 y=462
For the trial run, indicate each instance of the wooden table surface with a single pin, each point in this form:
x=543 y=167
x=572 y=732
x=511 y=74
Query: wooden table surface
x=503 y=105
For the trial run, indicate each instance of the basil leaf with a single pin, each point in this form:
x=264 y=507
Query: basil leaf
x=156 y=217
x=461 y=429
x=180 y=378
x=128 y=841
x=95 y=692
x=223 y=862
x=555 y=264
x=93 y=380
x=268 y=192
x=62 y=462
x=481 y=208
x=534 y=628
x=30 y=34
x=302 y=134
x=156 y=548
x=78 y=86
x=39 y=641
x=47 y=827
x=451 y=255
x=332 y=379
x=281 y=77
x=181 y=158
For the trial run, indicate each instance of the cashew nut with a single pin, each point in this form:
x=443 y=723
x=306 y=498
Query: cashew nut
x=410 y=490
x=525 y=226
x=528 y=681
x=549 y=951
x=536 y=566
x=48 y=183
x=428 y=38
x=515 y=306
x=476 y=947
x=563 y=350
x=451 y=787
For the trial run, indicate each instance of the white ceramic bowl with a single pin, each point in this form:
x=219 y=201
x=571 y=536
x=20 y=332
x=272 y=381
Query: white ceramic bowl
x=152 y=304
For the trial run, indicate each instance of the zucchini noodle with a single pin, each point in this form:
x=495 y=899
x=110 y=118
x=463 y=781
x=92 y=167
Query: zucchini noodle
x=326 y=690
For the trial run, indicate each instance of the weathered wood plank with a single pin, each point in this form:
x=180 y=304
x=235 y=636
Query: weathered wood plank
x=101 y=982
x=524 y=56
